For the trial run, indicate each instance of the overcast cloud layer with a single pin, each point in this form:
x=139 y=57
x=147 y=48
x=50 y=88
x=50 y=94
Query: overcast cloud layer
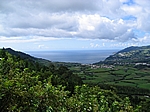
x=43 y=20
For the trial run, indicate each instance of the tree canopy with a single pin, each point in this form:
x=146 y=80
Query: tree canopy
x=27 y=86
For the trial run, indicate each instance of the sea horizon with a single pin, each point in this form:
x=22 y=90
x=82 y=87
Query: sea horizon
x=73 y=56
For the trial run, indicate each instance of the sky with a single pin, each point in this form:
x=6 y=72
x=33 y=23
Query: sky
x=31 y=25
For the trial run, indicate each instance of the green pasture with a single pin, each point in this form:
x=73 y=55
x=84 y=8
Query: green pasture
x=120 y=83
x=144 y=85
x=120 y=75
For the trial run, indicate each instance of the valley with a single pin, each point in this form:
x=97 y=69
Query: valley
x=117 y=77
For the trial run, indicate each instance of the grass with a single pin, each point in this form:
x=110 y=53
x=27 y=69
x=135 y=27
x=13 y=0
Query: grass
x=120 y=83
x=124 y=80
x=120 y=75
x=145 y=86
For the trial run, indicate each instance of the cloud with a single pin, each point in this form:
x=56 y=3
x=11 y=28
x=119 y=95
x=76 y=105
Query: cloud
x=41 y=46
x=124 y=45
x=92 y=19
x=93 y=45
x=141 y=10
x=144 y=39
x=25 y=39
x=49 y=5
x=97 y=27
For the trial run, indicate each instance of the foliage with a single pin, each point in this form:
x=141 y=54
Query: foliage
x=125 y=81
x=29 y=87
x=94 y=99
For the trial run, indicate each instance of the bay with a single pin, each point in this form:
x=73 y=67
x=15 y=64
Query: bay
x=74 y=56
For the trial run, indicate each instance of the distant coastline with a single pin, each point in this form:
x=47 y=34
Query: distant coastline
x=77 y=56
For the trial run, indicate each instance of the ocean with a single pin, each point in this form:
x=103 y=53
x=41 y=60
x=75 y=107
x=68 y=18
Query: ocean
x=74 y=56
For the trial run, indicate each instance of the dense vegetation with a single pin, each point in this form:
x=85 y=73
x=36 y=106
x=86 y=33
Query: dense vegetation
x=127 y=73
x=130 y=55
x=27 y=86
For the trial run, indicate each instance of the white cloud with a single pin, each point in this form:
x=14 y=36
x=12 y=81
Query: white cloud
x=94 y=45
x=143 y=40
x=24 y=39
x=124 y=1
x=123 y=45
x=97 y=27
x=41 y=46
x=132 y=9
x=26 y=21
x=141 y=11
x=103 y=44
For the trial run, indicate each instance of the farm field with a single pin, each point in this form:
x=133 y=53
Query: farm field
x=118 y=75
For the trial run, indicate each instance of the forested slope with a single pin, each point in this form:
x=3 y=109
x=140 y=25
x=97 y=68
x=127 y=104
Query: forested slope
x=28 y=86
x=25 y=56
x=130 y=55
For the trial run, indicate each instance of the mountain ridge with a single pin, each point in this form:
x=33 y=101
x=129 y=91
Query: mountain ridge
x=23 y=55
x=133 y=54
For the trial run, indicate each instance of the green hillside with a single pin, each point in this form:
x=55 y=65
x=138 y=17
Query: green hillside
x=28 y=86
x=131 y=55
x=27 y=56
